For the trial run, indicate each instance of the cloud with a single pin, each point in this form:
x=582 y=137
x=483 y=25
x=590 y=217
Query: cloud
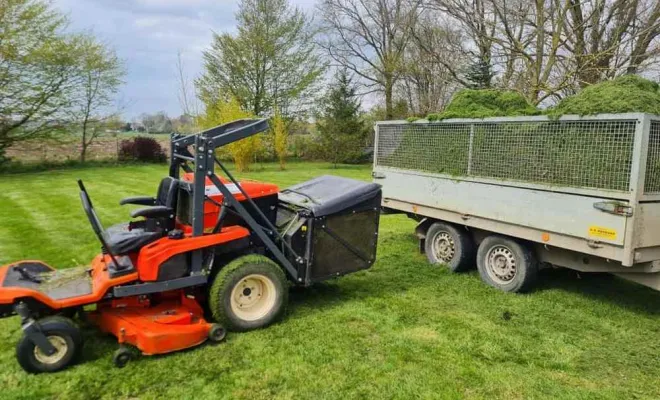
x=147 y=35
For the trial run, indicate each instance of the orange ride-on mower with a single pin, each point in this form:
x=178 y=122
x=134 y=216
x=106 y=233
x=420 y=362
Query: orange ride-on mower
x=205 y=246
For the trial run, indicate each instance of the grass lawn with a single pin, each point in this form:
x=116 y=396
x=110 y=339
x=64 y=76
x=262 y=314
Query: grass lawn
x=403 y=329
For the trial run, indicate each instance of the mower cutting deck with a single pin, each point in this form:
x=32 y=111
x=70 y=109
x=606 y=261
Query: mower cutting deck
x=204 y=245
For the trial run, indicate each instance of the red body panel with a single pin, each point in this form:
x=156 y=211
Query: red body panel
x=174 y=323
x=148 y=260
x=252 y=188
x=154 y=254
x=101 y=282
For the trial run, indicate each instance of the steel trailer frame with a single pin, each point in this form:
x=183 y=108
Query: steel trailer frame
x=439 y=195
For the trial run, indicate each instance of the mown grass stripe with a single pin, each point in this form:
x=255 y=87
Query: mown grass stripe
x=403 y=329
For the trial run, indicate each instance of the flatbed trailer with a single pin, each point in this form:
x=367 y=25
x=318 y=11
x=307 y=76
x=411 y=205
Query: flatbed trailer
x=516 y=194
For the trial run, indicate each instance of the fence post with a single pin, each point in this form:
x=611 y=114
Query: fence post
x=375 y=161
x=469 y=166
x=637 y=180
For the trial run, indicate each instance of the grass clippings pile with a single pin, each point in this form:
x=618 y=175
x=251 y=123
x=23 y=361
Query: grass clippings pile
x=628 y=93
x=485 y=103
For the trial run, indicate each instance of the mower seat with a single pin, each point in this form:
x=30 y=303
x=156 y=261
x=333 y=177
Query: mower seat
x=160 y=214
x=124 y=241
x=165 y=195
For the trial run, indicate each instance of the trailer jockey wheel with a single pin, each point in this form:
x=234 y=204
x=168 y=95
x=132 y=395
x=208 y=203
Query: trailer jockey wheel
x=248 y=293
x=506 y=264
x=62 y=334
x=446 y=244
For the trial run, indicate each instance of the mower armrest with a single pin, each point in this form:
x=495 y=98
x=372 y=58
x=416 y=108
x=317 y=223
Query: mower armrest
x=152 y=212
x=138 y=200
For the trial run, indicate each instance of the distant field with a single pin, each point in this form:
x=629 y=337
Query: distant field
x=68 y=148
x=401 y=330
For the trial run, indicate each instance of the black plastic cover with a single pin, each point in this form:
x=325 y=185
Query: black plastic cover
x=329 y=194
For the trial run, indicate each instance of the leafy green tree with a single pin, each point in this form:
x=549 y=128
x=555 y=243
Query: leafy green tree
x=39 y=67
x=92 y=110
x=271 y=61
x=340 y=127
x=280 y=138
x=244 y=151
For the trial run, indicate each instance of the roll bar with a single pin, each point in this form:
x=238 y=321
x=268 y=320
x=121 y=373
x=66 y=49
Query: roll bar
x=227 y=133
x=203 y=159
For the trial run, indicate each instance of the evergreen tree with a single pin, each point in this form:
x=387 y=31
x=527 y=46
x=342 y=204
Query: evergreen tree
x=480 y=75
x=341 y=129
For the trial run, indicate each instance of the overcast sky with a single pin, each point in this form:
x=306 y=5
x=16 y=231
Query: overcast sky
x=147 y=35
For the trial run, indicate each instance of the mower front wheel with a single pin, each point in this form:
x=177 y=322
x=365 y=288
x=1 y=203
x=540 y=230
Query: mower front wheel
x=217 y=333
x=62 y=334
x=248 y=293
x=122 y=357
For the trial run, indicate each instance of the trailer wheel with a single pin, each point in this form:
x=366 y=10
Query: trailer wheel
x=63 y=334
x=506 y=264
x=248 y=293
x=445 y=244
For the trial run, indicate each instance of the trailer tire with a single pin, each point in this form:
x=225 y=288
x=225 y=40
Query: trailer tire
x=251 y=292
x=63 y=334
x=445 y=244
x=506 y=264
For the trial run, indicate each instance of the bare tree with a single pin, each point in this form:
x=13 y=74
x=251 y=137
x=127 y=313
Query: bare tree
x=476 y=20
x=611 y=37
x=186 y=91
x=369 y=38
x=432 y=66
x=547 y=48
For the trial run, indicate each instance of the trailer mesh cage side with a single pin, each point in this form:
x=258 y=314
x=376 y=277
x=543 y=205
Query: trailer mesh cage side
x=652 y=183
x=591 y=153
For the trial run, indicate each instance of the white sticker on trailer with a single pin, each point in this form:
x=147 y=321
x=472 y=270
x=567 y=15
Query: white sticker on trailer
x=211 y=190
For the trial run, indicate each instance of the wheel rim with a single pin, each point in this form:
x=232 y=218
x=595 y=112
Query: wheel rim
x=253 y=297
x=61 y=348
x=501 y=264
x=444 y=247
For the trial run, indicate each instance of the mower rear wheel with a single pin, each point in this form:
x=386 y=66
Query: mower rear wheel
x=63 y=334
x=249 y=293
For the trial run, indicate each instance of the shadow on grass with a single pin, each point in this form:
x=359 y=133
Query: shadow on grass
x=602 y=287
x=389 y=276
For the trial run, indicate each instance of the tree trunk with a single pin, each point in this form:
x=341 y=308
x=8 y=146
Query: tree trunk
x=83 y=143
x=389 y=109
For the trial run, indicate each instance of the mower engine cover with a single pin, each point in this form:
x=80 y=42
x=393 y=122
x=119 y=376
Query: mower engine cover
x=332 y=223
